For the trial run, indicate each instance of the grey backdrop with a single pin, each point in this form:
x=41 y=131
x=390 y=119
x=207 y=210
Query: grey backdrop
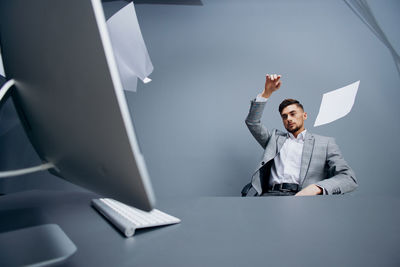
x=211 y=60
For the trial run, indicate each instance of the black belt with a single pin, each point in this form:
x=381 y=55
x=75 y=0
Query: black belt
x=284 y=187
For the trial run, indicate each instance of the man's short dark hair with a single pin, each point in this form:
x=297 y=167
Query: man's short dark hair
x=288 y=102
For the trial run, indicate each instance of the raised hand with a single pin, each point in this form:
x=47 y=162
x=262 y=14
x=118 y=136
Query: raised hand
x=272 y=83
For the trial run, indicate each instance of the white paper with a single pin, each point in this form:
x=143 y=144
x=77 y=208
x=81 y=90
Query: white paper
x=129 y=48
x=1 y=67
x=336 y=104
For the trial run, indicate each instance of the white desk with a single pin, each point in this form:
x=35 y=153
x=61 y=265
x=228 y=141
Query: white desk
x=224 y=231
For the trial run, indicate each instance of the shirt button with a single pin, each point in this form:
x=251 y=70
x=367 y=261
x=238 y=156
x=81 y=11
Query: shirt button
x=262 y=163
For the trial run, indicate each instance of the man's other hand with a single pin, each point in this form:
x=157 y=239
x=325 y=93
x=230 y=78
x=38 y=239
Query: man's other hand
x=311 y=190
x=272 y=83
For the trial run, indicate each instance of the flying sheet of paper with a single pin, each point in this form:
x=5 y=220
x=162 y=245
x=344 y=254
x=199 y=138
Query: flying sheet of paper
x=336 y=104
x=1 y=67
x=130 y=51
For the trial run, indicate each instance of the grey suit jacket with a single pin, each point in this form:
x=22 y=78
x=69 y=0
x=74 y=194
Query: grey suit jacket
x=321 y=163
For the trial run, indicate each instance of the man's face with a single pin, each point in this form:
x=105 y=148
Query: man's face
x=293 y=118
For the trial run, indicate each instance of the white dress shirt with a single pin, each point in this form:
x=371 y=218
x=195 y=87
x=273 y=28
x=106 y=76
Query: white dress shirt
x=286 y=165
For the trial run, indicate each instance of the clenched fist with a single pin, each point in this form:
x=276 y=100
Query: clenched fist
x=272 y=83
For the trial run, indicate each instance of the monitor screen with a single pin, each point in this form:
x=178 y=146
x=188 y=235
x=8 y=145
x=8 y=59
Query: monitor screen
x=69 y=96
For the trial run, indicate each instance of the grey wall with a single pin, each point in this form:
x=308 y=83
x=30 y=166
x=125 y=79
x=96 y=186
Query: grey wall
x=211 y=60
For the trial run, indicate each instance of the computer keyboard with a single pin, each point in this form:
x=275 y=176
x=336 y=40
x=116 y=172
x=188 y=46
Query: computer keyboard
x=127 y=219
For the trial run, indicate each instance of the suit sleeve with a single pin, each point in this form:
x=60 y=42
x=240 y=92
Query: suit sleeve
x=342 y=178
x=253 y=122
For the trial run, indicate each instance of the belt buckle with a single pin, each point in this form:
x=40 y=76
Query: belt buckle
x=279 y=187
x=276 y=187
x=284 y=189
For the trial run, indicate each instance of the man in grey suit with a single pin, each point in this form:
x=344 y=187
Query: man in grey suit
x=295 y=162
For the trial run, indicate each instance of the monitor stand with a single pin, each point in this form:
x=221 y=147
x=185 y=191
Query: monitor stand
x=41 y=245
x=35 y=246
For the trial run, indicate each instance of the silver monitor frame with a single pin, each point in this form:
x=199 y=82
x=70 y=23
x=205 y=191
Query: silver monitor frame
x=69 y=96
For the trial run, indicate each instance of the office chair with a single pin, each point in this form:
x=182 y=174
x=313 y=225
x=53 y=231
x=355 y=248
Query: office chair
x=246 y=190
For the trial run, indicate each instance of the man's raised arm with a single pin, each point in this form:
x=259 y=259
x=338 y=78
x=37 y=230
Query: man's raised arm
x=260 y=133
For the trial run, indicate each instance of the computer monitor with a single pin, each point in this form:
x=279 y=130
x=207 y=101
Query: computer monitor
x=69 y=96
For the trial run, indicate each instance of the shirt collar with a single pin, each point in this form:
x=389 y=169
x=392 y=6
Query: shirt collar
x=300 y=136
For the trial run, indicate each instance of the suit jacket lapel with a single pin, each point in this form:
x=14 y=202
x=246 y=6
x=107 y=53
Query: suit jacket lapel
x=306 y=155
x=273 y=149
x=281 y=140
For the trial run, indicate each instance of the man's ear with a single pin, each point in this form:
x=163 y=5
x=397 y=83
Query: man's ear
x=305 y=115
